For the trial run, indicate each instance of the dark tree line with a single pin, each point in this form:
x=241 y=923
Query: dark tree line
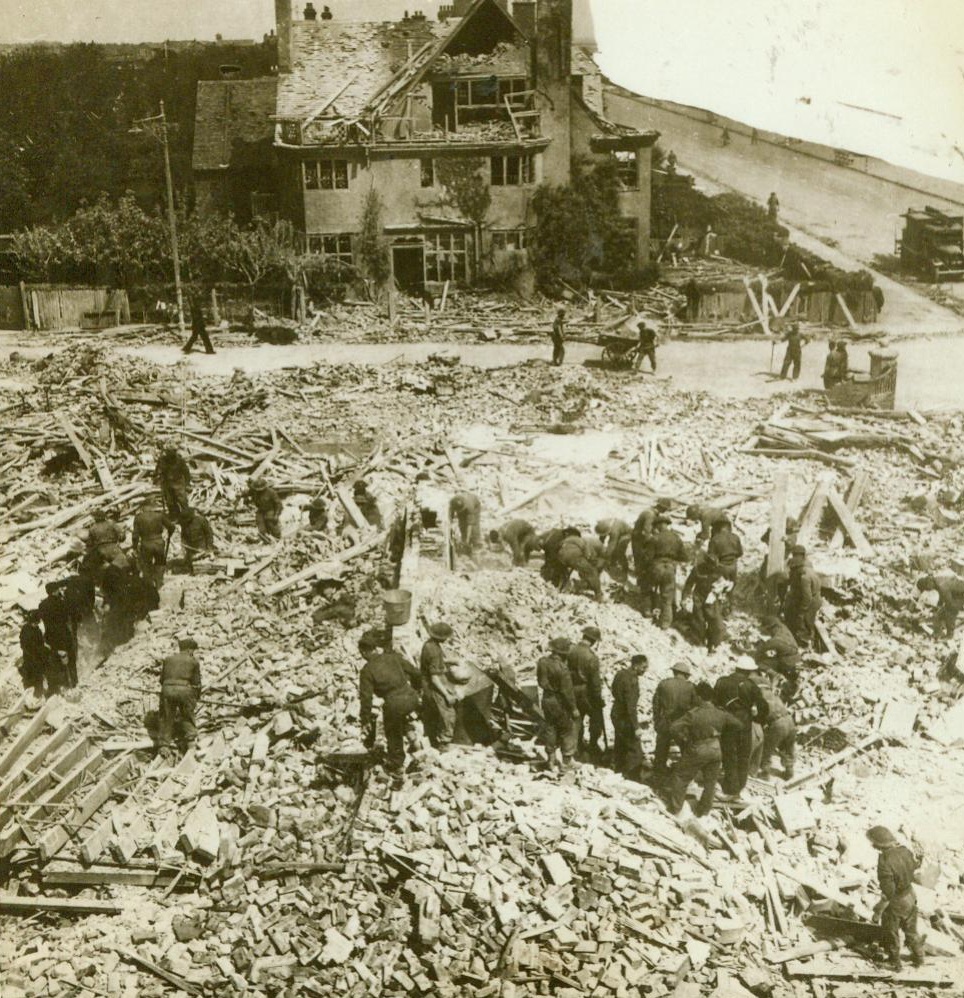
x=65 y=119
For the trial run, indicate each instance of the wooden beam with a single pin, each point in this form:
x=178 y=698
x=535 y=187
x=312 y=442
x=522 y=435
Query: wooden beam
x=790 y=300
x=855 y=492
x=778 y=524
x=831 y=761
x=850 y=524
x=810 y=520
x=74 y=438
x=181 y=983
x=26 y=736
x=63 y=906
x=846 y=311
x=804 y=950
x=104 y=875
x=349 y=505
x=824 y=890
x=532 y=496
x=329 y=564
x=57 y=837
x=27 y=766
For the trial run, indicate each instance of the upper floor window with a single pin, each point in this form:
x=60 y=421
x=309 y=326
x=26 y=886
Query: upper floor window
x=326 y=175
x=627 y=169
x=428 y=172
x=513 y=171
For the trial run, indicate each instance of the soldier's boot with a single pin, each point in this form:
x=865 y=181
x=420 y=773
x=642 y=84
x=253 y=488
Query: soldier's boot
x=895 y=963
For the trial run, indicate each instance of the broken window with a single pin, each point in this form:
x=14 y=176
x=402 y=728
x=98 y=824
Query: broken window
x=627 y=170
x=513 y=171
x=428 y=172
x=335 y=246
x=446 y=256
x=509 y=239
x=326 y=175
x=483 y=99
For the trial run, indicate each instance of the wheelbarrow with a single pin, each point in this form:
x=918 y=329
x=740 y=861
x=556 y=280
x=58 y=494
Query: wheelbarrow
x=619 y=352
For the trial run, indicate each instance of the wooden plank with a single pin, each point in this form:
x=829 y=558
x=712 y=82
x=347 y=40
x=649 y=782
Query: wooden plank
x=330 y=564
x=855 y=493
x=27 y=766
x=349 y=505
x=760 y=314
x=846 y=311
x=533 y=495
x=74 y=438
x=63 y=906
x=850 y=525
x=810 y=520
x=56 y=838
x=96 y=842
x=181 y=983
x=778 y=524
x=804 y=950
x=452 y=459
x=773 y=889
x=106 y=875
x=857 y=969
x=790 y=300
x=824 y=890
x=832 y=761
x=26 y=736
x=830 y=649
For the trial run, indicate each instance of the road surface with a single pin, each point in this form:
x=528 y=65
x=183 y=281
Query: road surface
x=858 y=212
x=732 y=369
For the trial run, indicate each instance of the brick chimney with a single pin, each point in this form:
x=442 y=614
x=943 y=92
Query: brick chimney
x=524 y=14
x=282 y=18
x=553 y=66
x=310 y=13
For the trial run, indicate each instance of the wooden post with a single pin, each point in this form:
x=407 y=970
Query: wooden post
x=778 y=524
x=854 y=494
x=849 y=524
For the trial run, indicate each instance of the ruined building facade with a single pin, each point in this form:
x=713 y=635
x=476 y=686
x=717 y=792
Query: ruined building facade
x=424 y=112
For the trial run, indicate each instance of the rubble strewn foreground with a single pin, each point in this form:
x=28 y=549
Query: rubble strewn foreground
x=269 y=860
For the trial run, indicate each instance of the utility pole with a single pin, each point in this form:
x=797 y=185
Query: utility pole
x=172 y=221
x=160 y=121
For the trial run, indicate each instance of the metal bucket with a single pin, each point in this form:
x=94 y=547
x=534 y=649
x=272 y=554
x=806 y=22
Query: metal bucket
x=398 y=606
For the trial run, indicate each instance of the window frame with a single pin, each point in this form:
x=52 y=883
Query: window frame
x=446 y=255
x=521 y=166
x=337 y=246
x=427 y=166
x=325 y=174
x=623 y=159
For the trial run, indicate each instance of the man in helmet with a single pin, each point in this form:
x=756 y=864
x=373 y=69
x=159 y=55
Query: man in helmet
x=615 y=534
x=641 y=542
x=624 y=713
x=583 y=665
x=739 y=696
x=521 y=538
x=267 y=505
x=197 y=538
x=149 y=542
x=674 y=696
x=897 y=909
x=466 y=509
x=180 y=689
x=950 y=602
x=173 y=476
x=558 y=703
x=668 y=550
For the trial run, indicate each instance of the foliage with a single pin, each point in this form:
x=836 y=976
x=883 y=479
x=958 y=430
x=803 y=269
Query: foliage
x=465 y=186
x=373 y=250
x=65 y=139
x=579 y=230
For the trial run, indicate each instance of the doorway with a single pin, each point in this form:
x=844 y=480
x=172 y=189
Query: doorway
x=408 y=266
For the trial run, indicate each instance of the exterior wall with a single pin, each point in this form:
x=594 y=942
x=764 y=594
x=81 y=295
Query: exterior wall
x=553 y=56
x=398 y=182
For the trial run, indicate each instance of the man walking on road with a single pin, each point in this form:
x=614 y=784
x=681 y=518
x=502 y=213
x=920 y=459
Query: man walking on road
x=559 y=338
x=198 y=328
x=793 y=358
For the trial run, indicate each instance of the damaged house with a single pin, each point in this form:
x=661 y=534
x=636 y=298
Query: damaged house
x=454 y=122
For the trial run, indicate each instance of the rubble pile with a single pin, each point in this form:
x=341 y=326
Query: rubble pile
x=273 y=860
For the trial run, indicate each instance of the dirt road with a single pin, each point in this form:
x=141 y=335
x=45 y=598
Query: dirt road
x=858 y=212
x=736 y=370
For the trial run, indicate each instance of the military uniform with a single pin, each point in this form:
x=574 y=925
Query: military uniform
x=617 y=534
x=950 y=593
x=627 y=751
x=739 y=696
x=641 y=542
x=37 y=664
x=802 y=602
x=668 y=549
x=727 y=549
x=558 y=706
x=672 y=699
x=699 y=731
x=708 y=517
x=707 y=616
x=794 y=355
x=895 y=874
x=520 y=535
x=267 y=515
x=432 y=667
x=180 y=689
x=196 y=537
x=575 y=555
x=466 y=508
x=552 y=570
x=583 y=665
x=60 y=632
x=393 y=679
x=147 y=537
x=173 y=476
x=781 y=652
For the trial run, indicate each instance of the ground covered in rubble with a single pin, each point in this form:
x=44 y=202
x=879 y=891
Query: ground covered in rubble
x=282 y=868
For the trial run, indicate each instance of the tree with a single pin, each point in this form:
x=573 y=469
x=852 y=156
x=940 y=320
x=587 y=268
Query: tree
x=373 y=249
x=466 y=188
x=39 y=251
